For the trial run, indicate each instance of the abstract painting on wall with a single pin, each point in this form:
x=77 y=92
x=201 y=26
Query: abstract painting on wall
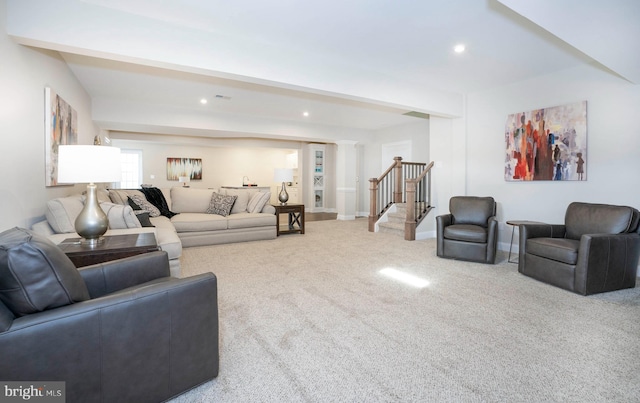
x=61 y=128
x=547 y=144
x=177 y=167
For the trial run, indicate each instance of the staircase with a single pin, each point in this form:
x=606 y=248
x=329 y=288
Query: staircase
x=396 y=220
x=402 y=184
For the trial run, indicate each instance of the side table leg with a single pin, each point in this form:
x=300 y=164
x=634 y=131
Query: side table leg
x=513 y=230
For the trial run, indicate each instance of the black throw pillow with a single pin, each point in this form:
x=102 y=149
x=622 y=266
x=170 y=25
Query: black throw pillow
x=143 y=217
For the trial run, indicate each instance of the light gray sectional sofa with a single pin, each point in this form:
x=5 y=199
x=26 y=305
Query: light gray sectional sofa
x=251 y=218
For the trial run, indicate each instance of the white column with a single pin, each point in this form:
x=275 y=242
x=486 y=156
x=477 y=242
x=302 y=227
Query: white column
x=346 y=173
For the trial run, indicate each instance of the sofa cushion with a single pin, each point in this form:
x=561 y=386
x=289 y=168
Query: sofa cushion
x=197 y=222
x=35 y=274
x=258 y=201
x=558 y=249
x=250 y=220
x=588 y=218
x=61 y=213
x=242 y=199
x=189 y=200
x=120 y=216
x=466 y=233
x=120 y=196
x=221 y=204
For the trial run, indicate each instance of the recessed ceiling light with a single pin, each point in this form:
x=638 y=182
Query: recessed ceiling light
x=459 y=48
x=305 y=114
x=203 y=101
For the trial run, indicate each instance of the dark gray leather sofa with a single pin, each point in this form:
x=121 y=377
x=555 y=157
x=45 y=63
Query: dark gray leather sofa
x=123 y=331
x=596 y=249
x=469 y=231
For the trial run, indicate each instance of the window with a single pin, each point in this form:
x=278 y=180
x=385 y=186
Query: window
x=131 y=161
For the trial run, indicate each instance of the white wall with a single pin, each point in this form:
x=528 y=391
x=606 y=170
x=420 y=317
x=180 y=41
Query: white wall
x=24 y=74
x=370 y=152
x=221 y=166
x=613 y=139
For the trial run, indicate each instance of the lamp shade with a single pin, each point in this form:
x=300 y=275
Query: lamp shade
x=88 y=164
x=184 y=179
x=283 y=175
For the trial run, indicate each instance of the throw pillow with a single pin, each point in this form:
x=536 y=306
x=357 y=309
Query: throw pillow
x=145 y=205
x=258 y=201
x=221 y=204
x=133 y=204
x=61 y=213
x=36 y=275
x=143 y=217
x=120 y=217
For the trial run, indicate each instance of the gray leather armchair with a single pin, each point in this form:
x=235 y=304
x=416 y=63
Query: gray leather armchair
x=596 y=249
x=469 y=231
x=122 y=331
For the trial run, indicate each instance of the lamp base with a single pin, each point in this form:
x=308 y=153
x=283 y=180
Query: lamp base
x=92 y=222
x=91 y=242
x=283 y=196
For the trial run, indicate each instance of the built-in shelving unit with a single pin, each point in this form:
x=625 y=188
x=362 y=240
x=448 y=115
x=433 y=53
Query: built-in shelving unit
x=317 y=172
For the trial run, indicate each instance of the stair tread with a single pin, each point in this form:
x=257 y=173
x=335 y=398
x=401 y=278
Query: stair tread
x=393 y=225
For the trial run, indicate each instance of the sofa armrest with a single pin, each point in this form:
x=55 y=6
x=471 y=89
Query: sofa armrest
x=142 y=344
x=442 y=221
x=606 y=262
x=268 y=209
x=106 y=278
x=492 y=239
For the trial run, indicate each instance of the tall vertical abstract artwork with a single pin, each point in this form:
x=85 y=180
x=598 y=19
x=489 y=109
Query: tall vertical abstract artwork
x=61 y=128
x=547 y=144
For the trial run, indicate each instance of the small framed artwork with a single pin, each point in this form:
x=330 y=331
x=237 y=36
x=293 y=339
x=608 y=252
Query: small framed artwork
x=61 y=128
x=548 y=144
x=177 y=167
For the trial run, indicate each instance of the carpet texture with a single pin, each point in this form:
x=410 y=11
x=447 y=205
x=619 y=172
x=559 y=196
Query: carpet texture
x=310 y=318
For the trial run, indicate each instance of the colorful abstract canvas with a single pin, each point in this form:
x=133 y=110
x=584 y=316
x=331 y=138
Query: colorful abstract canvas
x=61 y=128
x=177 y=167
x=547 y=144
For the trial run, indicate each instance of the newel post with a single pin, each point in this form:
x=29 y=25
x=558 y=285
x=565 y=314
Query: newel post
x=397 y=190
x=373 y=208
x=410 y=221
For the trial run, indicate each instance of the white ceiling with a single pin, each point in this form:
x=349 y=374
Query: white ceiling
x=286 y=53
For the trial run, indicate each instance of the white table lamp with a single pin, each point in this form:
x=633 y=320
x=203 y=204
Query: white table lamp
x=184 y=180
x=89 y=164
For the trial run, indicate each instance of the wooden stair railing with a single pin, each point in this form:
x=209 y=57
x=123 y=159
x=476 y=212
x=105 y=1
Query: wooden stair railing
x=418 y=192
x=402 y=182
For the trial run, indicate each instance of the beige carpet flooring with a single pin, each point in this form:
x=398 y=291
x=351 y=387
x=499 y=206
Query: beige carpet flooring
x=311 y=318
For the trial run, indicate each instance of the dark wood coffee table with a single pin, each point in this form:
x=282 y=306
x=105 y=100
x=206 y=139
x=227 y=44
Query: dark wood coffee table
x=110 y=248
